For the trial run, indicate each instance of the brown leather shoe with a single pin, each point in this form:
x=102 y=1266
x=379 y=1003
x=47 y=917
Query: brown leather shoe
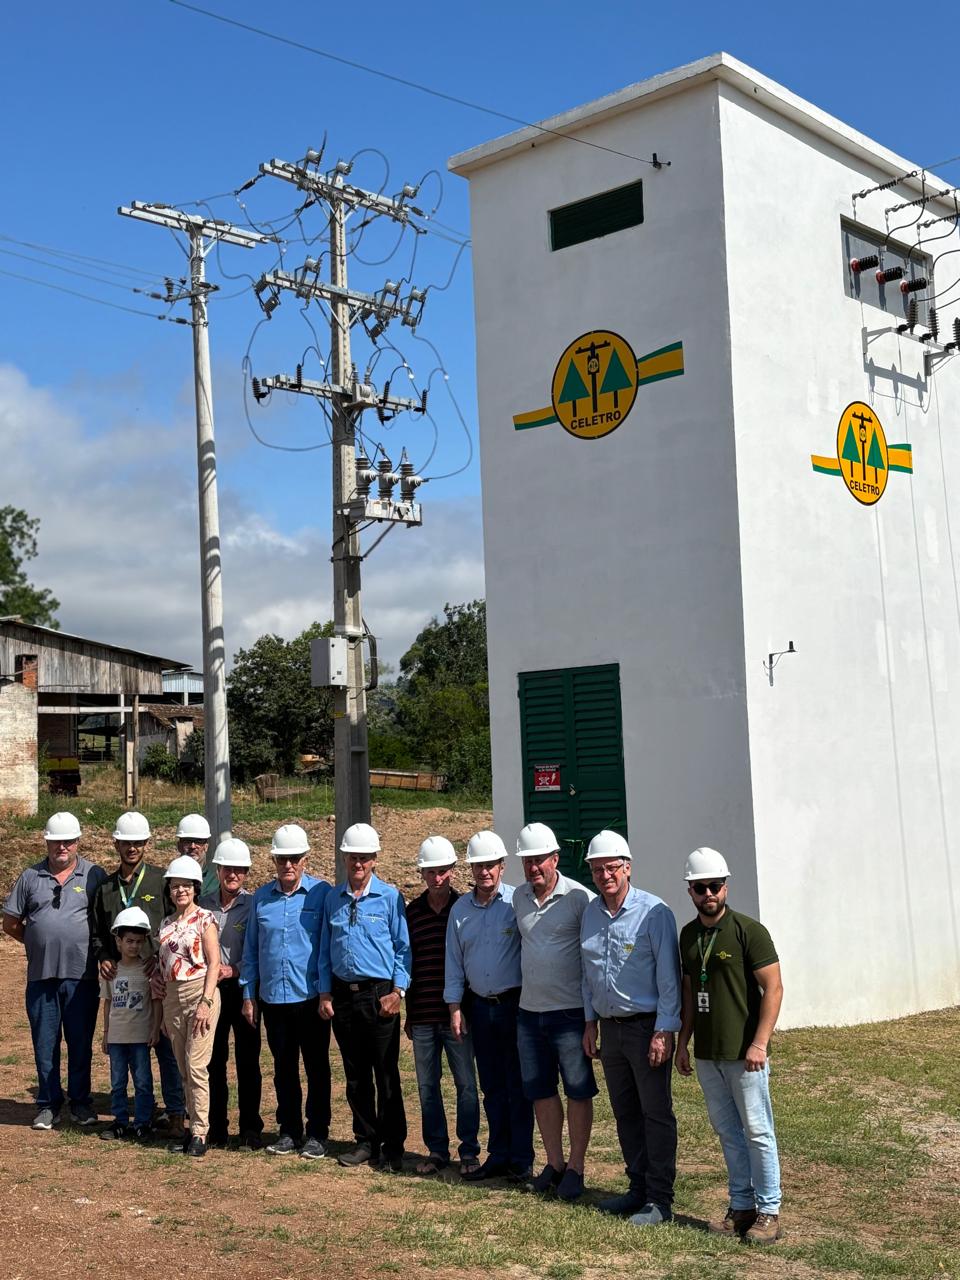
x=766 y=1229
x=734 y=1223
x=175 y=1127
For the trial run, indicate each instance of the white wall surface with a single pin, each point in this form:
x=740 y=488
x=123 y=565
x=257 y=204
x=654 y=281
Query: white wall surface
x=622 y=549
x=855 y=750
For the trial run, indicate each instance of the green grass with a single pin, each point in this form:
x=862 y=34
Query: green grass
x=9 y=1060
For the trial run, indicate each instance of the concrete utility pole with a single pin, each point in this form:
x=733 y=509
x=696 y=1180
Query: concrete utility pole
x=202 y=234
x=351 y=475
x=350 y=754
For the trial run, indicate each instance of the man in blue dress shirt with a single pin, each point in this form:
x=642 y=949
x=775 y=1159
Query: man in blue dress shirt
x=279 y=969
x=363 y=971
x=482 y=985
x=631 y=983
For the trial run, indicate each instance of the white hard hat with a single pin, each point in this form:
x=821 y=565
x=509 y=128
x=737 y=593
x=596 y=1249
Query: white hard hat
x=608 y=844
x=184 y=868
x=131 y=918
x=485 y=846
x=436 y=851
x=61 y=826
x=535 y=840
x=232 y=853
x=289 y=839
x=360 y=838
x=193 y=826
x=706 y=864
x=132 y=826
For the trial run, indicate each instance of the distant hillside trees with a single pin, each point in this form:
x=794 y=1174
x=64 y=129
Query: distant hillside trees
x=18 y=597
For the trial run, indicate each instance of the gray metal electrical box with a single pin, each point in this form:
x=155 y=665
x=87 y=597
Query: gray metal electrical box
x=328 y=662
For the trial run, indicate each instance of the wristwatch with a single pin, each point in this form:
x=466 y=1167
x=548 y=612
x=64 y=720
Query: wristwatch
x=400 y=991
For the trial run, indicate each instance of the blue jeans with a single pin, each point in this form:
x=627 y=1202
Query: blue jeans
x=171 y=1086
x=551 y=1046
x=61 y=1009
x=134 y=1058
x=509 y=1113
x=430 y=1041
x=738 y=1104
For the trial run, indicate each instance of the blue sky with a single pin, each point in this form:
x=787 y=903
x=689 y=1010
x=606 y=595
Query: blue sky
x=111 y=102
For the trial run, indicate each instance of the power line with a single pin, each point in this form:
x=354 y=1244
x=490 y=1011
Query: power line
x=70 y=271
x=117 y=267
x=413 y=84
x=88 y=297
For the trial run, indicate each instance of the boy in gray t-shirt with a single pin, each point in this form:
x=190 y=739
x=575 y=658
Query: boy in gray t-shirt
x=131 y=1026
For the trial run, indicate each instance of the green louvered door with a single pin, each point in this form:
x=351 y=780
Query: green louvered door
x=572 y=744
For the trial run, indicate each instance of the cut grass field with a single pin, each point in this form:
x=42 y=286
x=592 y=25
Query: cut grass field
x=868 y=1120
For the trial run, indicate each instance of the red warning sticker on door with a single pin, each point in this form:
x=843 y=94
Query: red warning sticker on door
x=546 y=777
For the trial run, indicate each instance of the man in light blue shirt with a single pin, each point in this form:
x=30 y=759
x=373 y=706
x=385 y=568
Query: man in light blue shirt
x=631 y=994
x=362 y=974
x=278 y=969
x=482 y=987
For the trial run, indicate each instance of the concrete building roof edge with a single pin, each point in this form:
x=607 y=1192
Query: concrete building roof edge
x=717 y=66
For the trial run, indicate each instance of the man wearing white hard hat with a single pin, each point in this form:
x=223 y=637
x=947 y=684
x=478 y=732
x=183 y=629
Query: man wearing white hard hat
x=230 y=907
x=550 y=1023
x=278 y=975
x=363 y=971
x=482 y=991
x=732 y=994
x=193 y=839
x=428 y=1020
x=137 y=883
x=631 y=1000
x=48 y=910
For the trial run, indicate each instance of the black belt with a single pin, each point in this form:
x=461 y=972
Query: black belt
x=629 y=1017
x=362 y=984
x=501 y=997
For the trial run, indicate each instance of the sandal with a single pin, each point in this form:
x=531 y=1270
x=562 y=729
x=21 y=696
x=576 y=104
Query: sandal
x=468 y=1165
x=431 y=1165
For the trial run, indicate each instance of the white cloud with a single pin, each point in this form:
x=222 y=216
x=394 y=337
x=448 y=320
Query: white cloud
x=118 y=537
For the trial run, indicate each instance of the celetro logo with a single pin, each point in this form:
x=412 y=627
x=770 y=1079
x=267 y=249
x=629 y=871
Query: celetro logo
x=595 y=384
x=864 y=460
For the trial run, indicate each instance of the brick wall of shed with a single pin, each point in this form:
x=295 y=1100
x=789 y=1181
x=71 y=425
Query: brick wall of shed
x=18 y=749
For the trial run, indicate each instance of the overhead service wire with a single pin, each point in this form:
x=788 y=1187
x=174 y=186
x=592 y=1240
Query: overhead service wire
x=88 y=297
x=414 y=84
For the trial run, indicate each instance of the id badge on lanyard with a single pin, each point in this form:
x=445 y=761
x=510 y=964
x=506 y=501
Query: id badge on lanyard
x=703 y=995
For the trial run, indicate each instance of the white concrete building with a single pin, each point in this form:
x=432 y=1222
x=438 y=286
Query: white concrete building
x=653 y=531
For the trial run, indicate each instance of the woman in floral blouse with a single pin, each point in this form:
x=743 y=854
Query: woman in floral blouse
x=189 y=963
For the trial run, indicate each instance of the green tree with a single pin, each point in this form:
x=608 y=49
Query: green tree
x=875 y=456
x=615 y=379
x=18 y=542
x=275 y=712
x=851 y=449
x=442 y=698
x=574 y=388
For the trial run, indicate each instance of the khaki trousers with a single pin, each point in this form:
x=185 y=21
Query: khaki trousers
x=192 y=1052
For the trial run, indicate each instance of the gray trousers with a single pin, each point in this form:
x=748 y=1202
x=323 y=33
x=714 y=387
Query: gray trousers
x=642 y=1103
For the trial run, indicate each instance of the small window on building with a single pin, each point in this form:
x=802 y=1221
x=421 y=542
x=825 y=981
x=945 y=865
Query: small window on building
x=596 y=216
x=870 y=247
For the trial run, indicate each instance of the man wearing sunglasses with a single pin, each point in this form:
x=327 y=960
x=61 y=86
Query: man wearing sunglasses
x=278 y=971
x=731 y=999
x=363 y=972
x=48 y=911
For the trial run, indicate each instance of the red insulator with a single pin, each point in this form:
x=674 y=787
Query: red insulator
x=864 y=264
x=912 y=286
x=891 y=273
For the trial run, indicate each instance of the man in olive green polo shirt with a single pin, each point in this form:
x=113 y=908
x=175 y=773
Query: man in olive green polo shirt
x=731 y=999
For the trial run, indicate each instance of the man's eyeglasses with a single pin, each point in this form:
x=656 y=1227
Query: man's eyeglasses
x=55 y=896
x=353 y=912
x=292 y=858
x=607 y=869
x=701 y=887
